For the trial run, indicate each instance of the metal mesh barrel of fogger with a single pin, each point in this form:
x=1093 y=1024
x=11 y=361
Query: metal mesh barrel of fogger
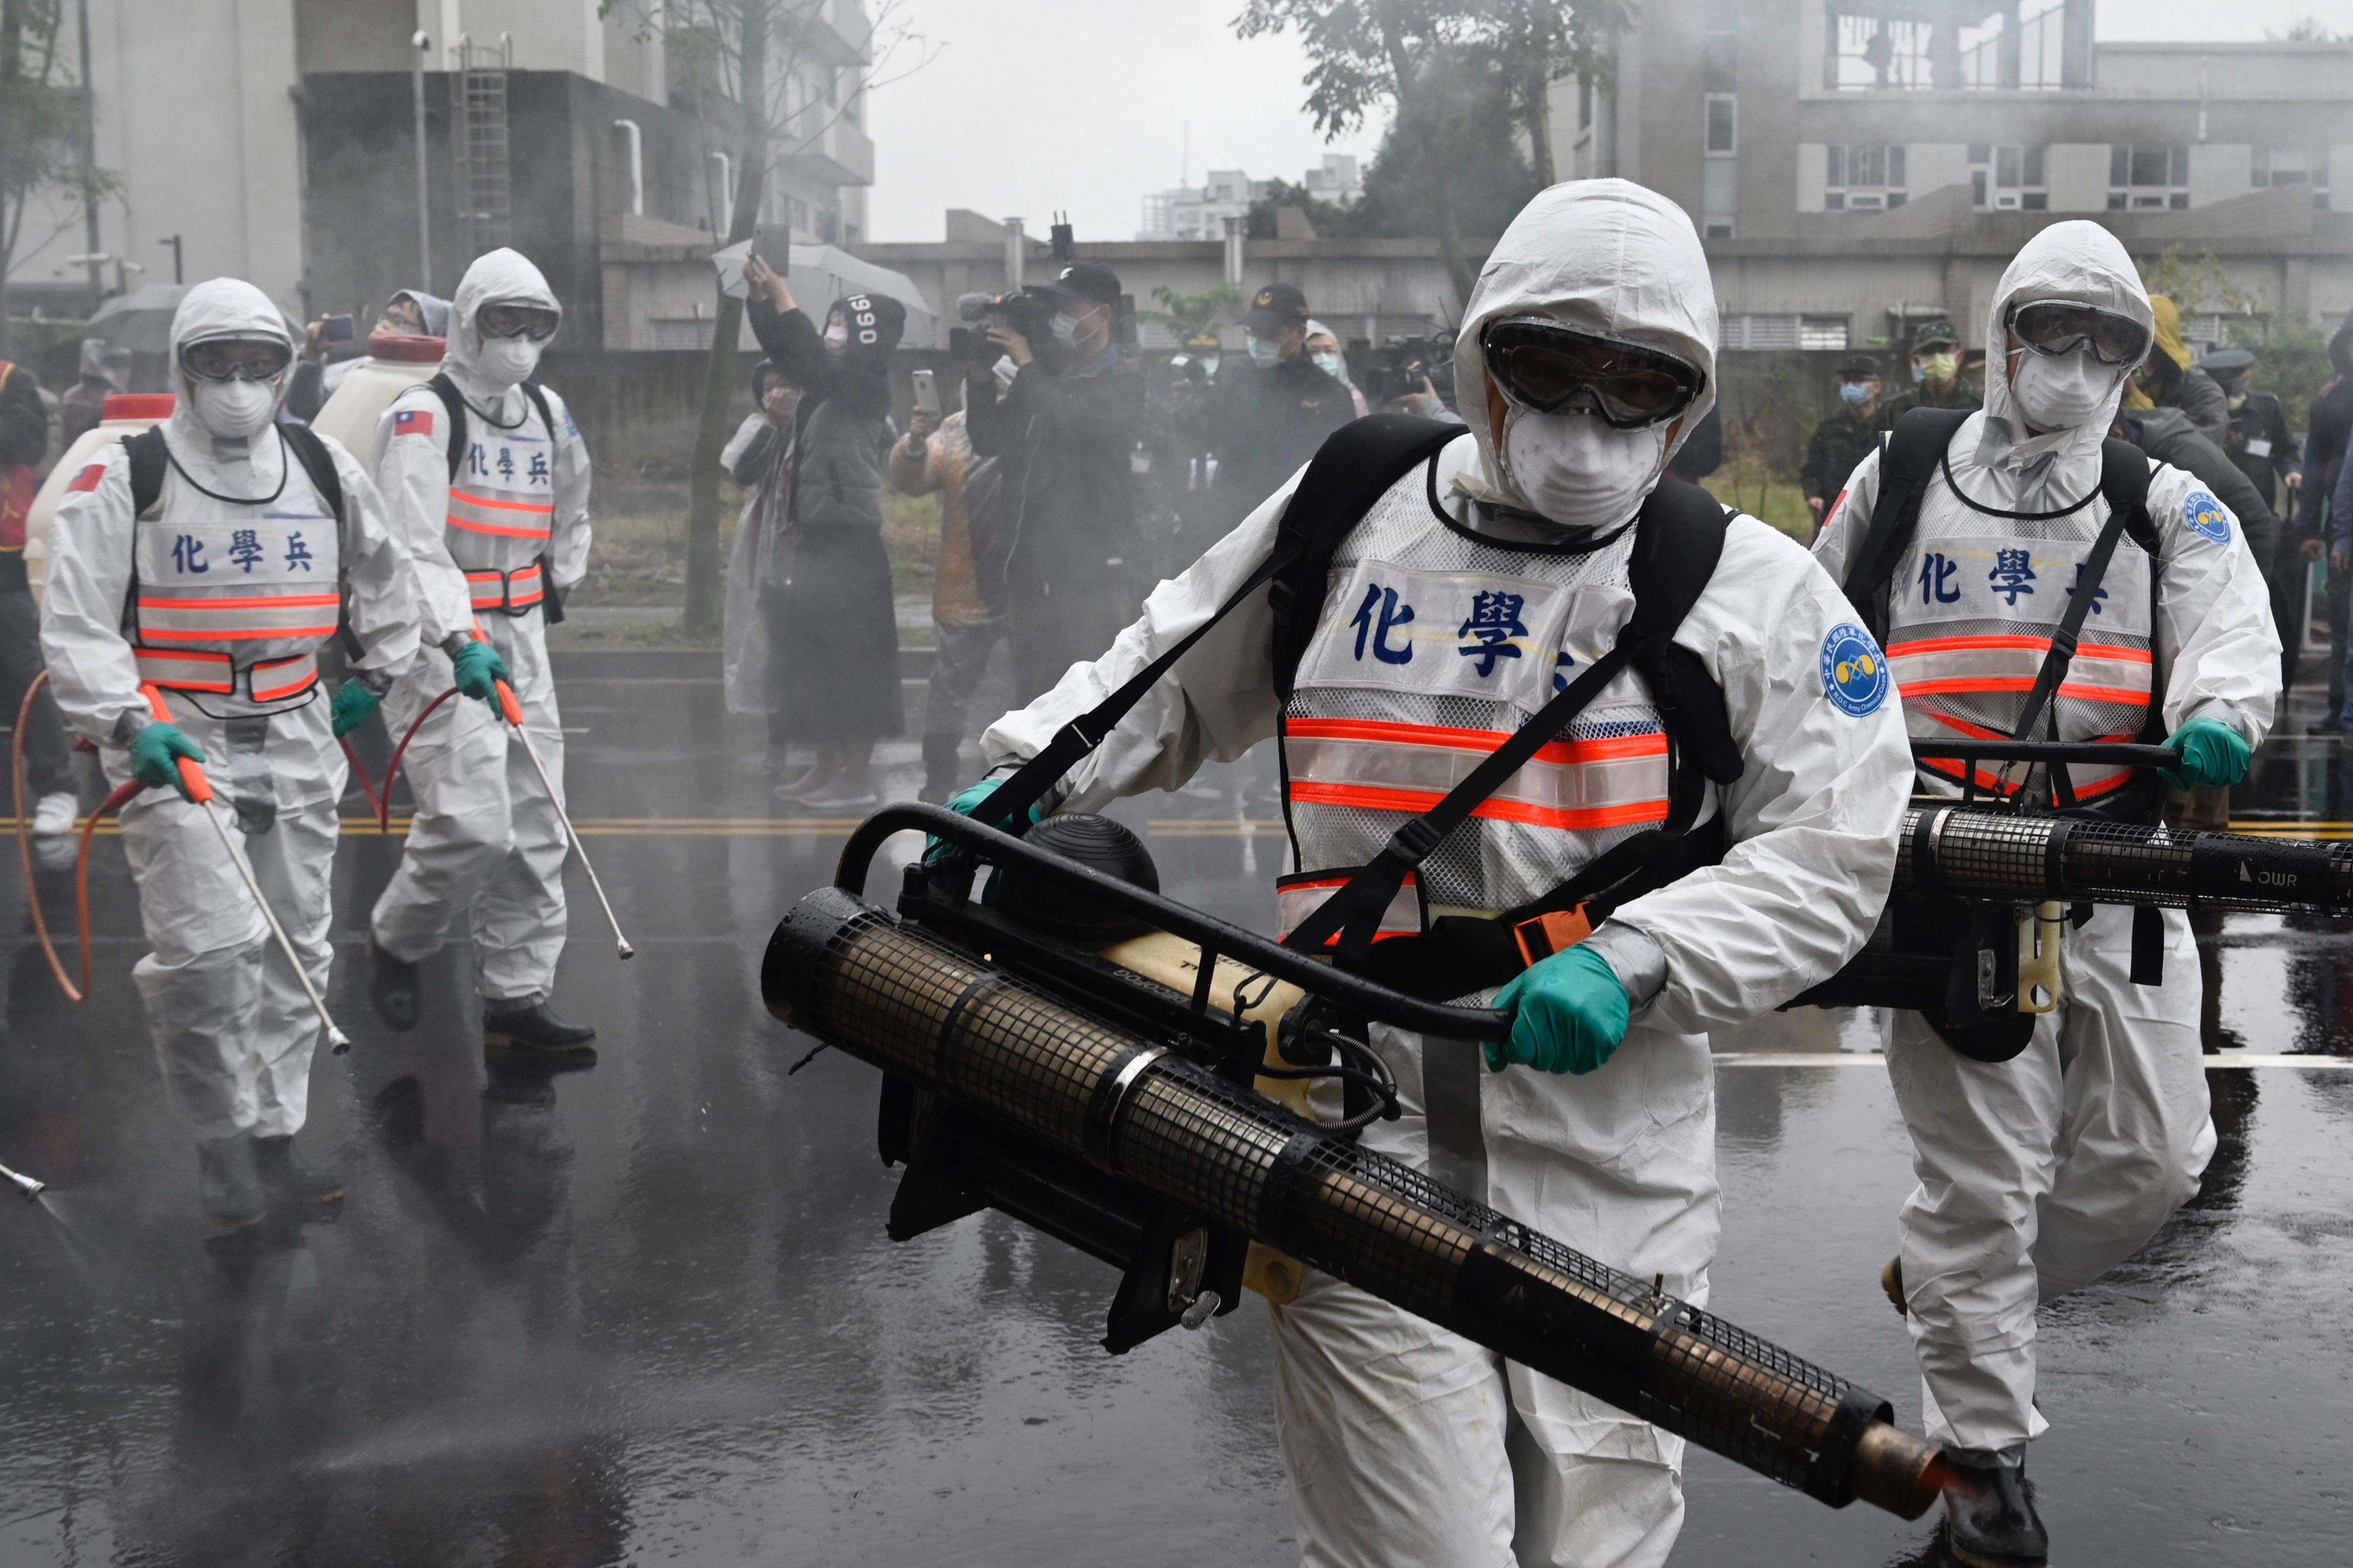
x=845 y=973
x=1998 y=855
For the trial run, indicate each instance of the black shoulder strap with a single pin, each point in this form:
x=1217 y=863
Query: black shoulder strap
x=1353 y=465
x=537 y=396
x=1348 y=473
x=2123 y=481
x=454 y=403
x=148 y=459
x=1678 y=539
x=318 y=463
x=1905 y=462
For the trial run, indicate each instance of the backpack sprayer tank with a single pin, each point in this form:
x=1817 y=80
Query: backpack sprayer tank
x=1041 y=1056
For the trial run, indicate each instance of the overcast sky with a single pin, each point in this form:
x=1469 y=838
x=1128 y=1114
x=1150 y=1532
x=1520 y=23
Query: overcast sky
x=1028 y=106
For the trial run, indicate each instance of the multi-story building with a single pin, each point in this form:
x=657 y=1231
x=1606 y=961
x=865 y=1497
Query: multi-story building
x=1199 y=212
x=276 y=141
x=1918 y=142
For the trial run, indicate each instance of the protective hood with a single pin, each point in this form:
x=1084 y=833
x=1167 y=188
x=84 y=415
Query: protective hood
x=222 y=308
x=106 y=365
x=501 y=276
x=875 y=323
x=436 y=310
x=1607 y=256
x=2077 y=261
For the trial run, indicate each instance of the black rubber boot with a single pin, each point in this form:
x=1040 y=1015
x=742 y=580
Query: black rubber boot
x=534 y=1028
x=226 y=1182
x=392 y=988
x=943 y=775
x=286 y=1175
x=1890 y=1280
x=1989 y=1518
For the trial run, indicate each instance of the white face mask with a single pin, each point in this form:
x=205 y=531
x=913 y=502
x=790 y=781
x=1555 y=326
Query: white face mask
x=1577 y=471
x=237 y=408
x=507 y=361
x=1265 y=353
x=2062 y=392
x=1328 y=363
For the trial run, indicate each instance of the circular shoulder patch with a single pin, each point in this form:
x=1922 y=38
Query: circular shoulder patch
x=2207 y=516
x=1855 y=672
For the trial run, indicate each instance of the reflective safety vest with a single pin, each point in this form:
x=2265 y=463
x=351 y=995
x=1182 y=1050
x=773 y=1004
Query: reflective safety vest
x=502 y=516
x=233 y=602
x=1972 y=605
x=1432 y=649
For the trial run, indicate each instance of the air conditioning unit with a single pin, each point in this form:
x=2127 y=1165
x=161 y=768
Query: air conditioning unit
x=1857 y=199
x=2007 y=201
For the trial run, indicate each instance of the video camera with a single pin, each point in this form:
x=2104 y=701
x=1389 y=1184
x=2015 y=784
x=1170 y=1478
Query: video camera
x=1399 y=365
x=1029 y=311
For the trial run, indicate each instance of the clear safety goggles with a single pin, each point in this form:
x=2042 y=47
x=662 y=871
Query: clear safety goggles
x=536 y=322
x=225 y=359
x=1547 y=367
x=2056 y=327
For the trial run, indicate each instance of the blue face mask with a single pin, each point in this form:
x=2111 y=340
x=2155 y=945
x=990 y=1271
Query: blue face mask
x=1265 y=353
x=1856 y=392
x=1065 y=328
x=1328 y=363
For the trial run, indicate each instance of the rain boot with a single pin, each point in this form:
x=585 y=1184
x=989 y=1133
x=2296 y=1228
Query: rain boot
x=533 y=1027
x=286 y=1175
x=392 y=988
x=1989 y=1518
x=226 y=1182
x=1891 y=1281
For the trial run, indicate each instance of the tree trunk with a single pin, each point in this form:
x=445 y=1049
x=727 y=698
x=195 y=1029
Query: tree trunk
x=1413 y=109
x=1535 y=94
x=722 y=380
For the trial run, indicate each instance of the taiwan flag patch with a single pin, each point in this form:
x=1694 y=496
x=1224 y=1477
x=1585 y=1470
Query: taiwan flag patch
x=88 y=479
x=412 y=422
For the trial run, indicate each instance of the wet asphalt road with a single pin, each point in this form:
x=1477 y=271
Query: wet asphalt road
x=646 y=1312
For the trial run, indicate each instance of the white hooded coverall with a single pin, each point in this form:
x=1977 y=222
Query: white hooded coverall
x=485 y=838
x=230 y=602
x=1406 y=1444
x=2038 y=1174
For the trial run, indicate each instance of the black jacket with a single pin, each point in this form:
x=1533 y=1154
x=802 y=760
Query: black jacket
x=1064 y=516
x=1262 y=424
x=1840 y=442
x=2261 y=422
x=840 y=427
x=2169 y=435
x=2324 y=444
x=24 y=422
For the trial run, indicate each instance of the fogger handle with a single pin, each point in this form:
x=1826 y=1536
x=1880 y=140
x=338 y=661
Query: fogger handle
x=193 y=782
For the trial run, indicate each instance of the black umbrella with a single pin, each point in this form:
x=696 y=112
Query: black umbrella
x=140 y=321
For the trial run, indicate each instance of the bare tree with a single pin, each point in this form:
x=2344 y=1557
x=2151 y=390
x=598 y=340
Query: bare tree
x=755 y=61
x=44 y=119
x=1533 y=44
x=1361 y=53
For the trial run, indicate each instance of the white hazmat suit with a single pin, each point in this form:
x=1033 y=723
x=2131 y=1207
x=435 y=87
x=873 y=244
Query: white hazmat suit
x=2039 y=1173
x=229 y=600
x=1406 y=1444
x=488 y=546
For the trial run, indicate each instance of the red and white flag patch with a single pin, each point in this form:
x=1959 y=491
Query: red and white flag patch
x=88 y=479
x=412 y=422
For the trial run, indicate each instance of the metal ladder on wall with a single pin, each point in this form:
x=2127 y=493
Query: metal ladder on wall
x=479 y=119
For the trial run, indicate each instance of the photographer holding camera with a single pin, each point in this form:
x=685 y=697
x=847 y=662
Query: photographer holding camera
x=1061 y=560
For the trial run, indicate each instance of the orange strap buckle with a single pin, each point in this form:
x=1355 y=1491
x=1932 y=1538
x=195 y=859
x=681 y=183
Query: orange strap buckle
x=1555 y=930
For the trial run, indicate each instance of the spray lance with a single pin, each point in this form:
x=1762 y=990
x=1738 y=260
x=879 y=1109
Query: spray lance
x=1118 y=1071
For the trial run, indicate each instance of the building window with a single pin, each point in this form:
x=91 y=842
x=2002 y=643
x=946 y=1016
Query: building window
x=1716 y=228
x=2007 y=179
x=2292 y=166
x=1723 y=125
x=1584 y=105
x=1906 y=45
x=2143 y=176
x=1776 y=332
x=1866 y=177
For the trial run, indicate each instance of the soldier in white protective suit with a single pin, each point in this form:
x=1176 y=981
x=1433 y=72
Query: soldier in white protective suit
x=488 y=482
x=2040 y=1171
x=203 y=561
x=1482 y=585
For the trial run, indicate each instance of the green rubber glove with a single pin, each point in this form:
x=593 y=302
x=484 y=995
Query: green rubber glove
x=478 y=669
x=2212 y=753
x=154 y=752
x=965 y=802
x=354 y=701
x=1572 y=1013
